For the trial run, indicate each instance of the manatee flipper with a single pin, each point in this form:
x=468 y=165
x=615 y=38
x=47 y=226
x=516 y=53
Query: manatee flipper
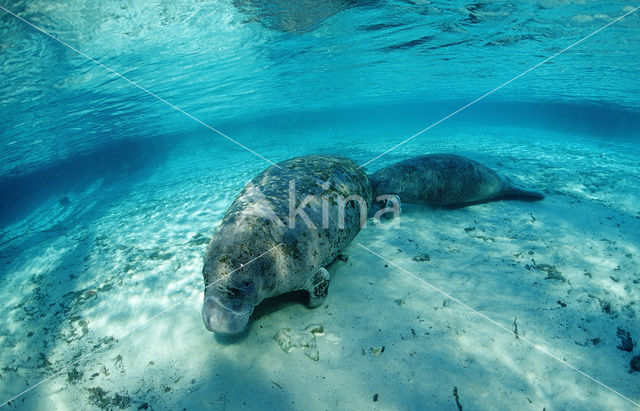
x=508 y=192
x=511 y=192
x=393 y=201
x=318 y=287
x=392 y=204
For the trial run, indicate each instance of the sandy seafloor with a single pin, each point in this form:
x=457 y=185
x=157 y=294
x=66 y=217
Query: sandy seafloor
x=565 y=270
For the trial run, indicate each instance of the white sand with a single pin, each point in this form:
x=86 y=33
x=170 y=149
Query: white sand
x=76 y=278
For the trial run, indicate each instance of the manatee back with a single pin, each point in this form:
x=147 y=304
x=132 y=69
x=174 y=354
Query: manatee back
x=437 y=180
x=260 y=218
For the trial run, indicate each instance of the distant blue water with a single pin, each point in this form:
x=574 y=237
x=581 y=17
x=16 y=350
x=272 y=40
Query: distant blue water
x=145 y=183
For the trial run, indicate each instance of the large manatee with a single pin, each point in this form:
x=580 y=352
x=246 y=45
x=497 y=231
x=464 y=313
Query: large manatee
x=279 y=234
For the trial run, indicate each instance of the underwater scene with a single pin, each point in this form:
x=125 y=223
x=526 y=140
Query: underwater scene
x=319 y=205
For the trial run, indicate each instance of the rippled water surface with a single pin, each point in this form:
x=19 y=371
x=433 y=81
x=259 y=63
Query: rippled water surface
x=124 y=141
x=224 y=60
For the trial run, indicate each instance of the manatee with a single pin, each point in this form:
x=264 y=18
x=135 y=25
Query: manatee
x=445 y=180
x=279 y=234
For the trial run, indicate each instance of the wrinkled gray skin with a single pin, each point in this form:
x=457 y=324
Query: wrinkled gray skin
x=258 y=220
x=447 y=180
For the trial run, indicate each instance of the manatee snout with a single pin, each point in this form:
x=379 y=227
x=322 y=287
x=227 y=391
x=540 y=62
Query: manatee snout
x=223 y=319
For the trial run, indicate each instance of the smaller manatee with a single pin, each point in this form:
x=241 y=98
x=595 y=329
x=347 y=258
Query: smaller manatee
x=445 y=180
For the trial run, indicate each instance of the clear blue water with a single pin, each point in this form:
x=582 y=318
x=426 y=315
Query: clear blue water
x=146 y=184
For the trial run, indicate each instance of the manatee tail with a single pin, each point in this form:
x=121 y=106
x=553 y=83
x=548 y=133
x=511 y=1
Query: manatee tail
x=511 y=192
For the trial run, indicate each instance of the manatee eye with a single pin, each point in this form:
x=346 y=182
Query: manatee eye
x=242 y=288
x=234 y=292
